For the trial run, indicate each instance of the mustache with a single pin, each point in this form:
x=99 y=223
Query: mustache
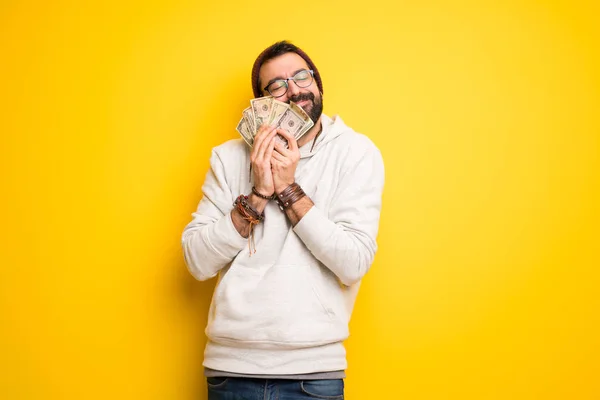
x=302 y=96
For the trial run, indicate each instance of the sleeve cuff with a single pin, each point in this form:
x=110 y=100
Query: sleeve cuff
x=315 y=229
x=225 y=239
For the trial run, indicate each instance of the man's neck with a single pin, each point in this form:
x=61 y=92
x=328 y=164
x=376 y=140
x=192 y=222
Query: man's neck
x=310 y=135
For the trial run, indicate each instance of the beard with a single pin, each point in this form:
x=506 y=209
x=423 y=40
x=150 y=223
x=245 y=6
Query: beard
x=313 y=109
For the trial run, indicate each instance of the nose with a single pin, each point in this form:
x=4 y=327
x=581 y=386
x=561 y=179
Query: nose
x=293 y=89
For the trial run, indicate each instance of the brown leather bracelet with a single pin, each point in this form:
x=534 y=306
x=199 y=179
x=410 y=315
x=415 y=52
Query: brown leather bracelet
x=288 y=190
x=289 y=196
x=251 y=215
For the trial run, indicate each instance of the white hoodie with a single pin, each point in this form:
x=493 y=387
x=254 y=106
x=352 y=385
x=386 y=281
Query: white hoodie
x=285 y=309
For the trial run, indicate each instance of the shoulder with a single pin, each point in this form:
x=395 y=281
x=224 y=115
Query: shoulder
x=233 y=151
x=360 y=157
x=361 y=143
x=355 y=145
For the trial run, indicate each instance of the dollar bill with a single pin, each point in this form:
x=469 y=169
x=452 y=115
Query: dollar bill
x=249 y=117
x=305 y=117
x=295 y=121
x=243 y=130
x=278 y=108
x=261 y=109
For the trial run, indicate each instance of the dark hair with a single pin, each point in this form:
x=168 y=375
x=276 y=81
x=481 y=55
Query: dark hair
x=277 y=50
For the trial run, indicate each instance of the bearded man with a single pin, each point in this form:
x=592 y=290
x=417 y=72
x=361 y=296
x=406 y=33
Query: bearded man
x=310 y=212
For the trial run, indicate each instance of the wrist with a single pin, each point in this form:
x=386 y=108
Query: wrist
x=256 y=192
x=259 y=203
x=265 y=191
x=289 y=195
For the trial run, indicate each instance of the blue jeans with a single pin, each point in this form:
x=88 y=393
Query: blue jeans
x=274 y=389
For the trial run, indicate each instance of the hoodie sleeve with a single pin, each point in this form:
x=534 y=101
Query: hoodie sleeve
x=211 y=241
x=344 y=239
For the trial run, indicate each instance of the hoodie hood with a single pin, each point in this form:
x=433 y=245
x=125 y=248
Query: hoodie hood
x=332 y=129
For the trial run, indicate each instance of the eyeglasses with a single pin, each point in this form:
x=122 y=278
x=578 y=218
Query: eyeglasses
x=279 y=87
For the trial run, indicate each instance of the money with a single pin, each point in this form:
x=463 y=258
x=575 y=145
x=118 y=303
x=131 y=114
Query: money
x=267 y=110
x=249 y=117
x=243 y=130
x=278 y=108
x=261 y=109
x=295 y=121
x=308 y=122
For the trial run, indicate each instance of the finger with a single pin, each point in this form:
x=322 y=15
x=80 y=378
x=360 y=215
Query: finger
x=262 y=143
x=266 y=143
x=260 y=134
x=263 y=128
x=277 y=165
x=262 y=131
x=269 y=152
x=293 y=145
x=280 y=147
x=278 y=156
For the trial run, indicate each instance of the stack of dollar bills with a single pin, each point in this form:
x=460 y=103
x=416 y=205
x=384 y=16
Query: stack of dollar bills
x=266 y=110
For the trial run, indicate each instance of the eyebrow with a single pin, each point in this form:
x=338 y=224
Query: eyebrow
x=281 y=77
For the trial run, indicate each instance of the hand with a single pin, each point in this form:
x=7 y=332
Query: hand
x=284 y=162
x=260 y=159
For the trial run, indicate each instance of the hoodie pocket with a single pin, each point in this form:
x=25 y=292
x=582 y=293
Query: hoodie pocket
x=274 y=306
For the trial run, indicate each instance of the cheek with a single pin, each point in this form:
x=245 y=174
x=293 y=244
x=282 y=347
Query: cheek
x=284 y=98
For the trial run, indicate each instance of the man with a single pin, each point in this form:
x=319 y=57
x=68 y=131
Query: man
x=290 y=255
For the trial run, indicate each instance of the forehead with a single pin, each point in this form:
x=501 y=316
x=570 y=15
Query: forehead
x=282 y=66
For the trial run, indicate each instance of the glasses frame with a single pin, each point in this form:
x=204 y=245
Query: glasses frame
x=293 y=78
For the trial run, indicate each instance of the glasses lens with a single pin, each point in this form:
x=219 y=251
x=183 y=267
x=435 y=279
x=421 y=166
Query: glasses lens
x=277 y=88
x=303 y=78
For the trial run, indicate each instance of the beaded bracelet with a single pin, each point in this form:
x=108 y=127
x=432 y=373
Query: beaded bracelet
x=262 y=196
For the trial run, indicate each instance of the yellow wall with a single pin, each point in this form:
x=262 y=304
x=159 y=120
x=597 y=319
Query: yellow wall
x=486 y=282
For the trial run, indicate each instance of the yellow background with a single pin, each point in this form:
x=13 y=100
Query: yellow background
x=486 y=282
